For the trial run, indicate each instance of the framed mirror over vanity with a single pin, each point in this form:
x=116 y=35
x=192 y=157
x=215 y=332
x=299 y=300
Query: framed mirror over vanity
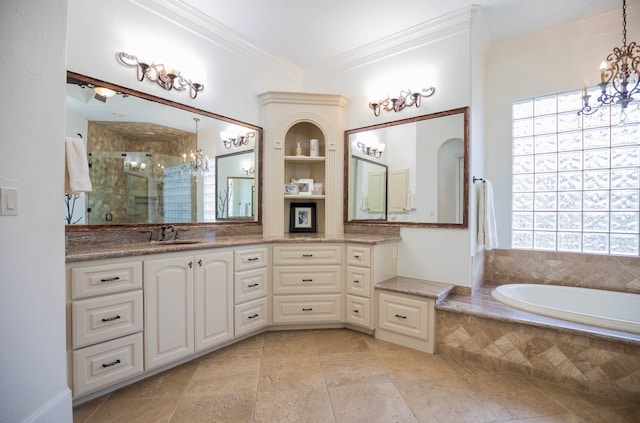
x=410 y=172
x=154 y=161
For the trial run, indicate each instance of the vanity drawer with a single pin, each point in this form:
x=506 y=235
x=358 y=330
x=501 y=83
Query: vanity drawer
x=104 y=364
x=358 y=281
x=307 y=254
x=307 y=279
x=251 y=316
x=250 y=285
x=307 y=309
x=251 y=259
x=358 y=311
x=105 y=279
x=402 y=315
x=358 y=256
x=102 y=318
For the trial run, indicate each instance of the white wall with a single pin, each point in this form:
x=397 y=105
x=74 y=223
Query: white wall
x=33 y=376
x=550 y=61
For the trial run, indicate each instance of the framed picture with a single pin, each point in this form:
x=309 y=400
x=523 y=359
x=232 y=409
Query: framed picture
x=305 y=186
x=302 y=217
x=291 y=189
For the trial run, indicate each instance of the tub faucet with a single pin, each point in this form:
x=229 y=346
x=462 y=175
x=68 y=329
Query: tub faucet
x=164 y=231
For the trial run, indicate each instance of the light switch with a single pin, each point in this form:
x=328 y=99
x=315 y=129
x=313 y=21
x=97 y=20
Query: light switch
x=9 y=200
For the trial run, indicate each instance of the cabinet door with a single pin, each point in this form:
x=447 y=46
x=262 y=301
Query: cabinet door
x=213 y=299
x=168 y=310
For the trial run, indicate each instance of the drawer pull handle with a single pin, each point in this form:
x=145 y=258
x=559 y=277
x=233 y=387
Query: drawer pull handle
x=307 y=280
x=253 y=285
x=356 y=256
x=399 y=316
x=356 y=311
x=307 y=255
x=113 y=363
x=307 y=309
x=254 y=316
x=356 y=282
x=111 y=319
x=113 y=279
x=253 y=259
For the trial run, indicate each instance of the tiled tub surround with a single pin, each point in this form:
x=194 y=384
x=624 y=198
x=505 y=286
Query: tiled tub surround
x=599 y=361
x=587 y=271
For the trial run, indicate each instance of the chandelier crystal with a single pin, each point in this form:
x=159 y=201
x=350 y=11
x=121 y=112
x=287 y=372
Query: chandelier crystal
x=619 y=75
x=198 y=163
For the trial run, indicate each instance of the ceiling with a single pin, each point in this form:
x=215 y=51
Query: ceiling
x=307 y=32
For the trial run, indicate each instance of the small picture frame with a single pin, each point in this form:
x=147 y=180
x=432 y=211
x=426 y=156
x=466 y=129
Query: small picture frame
x=302 y=217
x=291 y=189
x=305 y=186
x=317 y=188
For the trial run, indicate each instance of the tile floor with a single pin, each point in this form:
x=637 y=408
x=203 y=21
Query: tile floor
x=343 y=376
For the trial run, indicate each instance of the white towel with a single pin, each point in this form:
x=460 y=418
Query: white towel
x=76 y=175
x=411 y=201
x=364 y=202
x=487 y=231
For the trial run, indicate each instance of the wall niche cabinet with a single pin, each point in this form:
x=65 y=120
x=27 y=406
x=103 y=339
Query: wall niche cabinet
x=292 y=119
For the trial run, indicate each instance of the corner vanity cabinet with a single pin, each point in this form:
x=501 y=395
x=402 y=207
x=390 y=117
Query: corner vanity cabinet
x=251 y=280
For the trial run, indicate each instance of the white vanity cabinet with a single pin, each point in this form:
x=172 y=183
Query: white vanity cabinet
x=251 y=289
x=188 y=305
x=365 y=266
x=307 y=283
x=105 y=323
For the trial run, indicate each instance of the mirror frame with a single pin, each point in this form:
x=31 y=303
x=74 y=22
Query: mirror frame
x=73 y=77
x=347 y=156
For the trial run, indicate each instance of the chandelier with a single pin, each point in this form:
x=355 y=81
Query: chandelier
x=619 y=75
x=405 y=99
x=198 y=163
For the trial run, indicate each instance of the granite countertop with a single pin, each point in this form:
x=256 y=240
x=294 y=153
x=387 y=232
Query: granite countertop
x=85 y=252
x=417 y=287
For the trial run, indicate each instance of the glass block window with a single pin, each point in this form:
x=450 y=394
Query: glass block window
x=576 y=179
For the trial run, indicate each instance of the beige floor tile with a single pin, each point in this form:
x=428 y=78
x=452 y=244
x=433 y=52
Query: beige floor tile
x=340 y=341
x=440 y=400
x=223 y=408
x=286 y=373
x=369 y=403
x=231 y=374
x=289 y=343
x=352 y=371
x=170 y=383
x=629 y=414
x=131 y=410
x=308 y=406
x=249 y=348
x=562 y=418
x=412 y=365
x=510 y=396
x=82 y=412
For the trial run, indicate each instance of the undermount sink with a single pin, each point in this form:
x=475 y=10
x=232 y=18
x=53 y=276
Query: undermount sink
x=176 y=242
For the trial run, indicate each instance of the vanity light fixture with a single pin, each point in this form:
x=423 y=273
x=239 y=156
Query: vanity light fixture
x=249 y=171
x=167 y=79
x=371 y=150
x=404 y=100
x=198 y=162
x=103 y=93
x=619 y=78
x=135 y=166
x=229 y=140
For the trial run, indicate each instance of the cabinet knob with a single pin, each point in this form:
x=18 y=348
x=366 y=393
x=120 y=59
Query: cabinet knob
x=200 y=262
x=190 y=265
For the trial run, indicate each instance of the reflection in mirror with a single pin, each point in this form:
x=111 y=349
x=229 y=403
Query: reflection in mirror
x=370 y=187
x=153 y=161
x=425 y=159
x=235 y=186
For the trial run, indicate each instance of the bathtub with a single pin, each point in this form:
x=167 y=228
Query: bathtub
x=608 y=309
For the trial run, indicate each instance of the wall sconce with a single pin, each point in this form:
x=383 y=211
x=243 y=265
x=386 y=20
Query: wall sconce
x=103 y=93
x=229 y=140
x=135 y=166
x=249 y=171
x=157 y=73
x=371 y=150
x=405 y=99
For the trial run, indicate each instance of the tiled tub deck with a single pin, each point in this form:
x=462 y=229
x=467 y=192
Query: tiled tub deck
x=600 y=361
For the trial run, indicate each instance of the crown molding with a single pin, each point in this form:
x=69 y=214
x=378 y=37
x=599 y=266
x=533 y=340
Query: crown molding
x=221 y=35
x=304 y=98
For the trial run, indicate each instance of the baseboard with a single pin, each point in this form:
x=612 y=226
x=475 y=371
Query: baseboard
x=58 y=409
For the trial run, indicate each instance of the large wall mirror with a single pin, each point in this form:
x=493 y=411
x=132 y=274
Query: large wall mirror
x=155 y=161
x=410 y=172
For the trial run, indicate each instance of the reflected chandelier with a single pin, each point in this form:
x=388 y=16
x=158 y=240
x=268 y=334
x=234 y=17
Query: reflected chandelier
x=157 y=73
x=619 y=78
x=404 y=100
x=198 y=163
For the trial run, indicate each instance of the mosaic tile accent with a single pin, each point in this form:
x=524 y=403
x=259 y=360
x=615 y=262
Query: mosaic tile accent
x=597 y=366
x=590 y=271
